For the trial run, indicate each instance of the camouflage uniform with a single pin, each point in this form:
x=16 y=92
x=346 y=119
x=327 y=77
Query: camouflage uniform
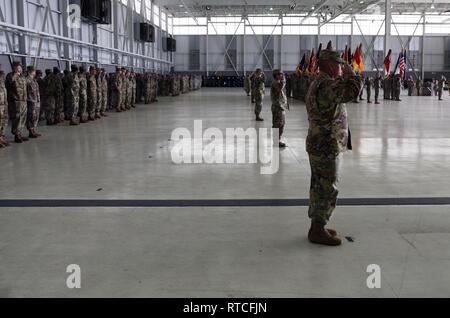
x=247 y=85
x=368 y=83
x=411 y=85
x=279 y=105
x=99 y=104
x=50 y=98
x=377 y=85
x=60 y=97
x=386 y=88
x=419 y=87
x=104 y=94
x=73 y=96
x=440 y=87
x=16 y=86
x=397 y=87
x=92 y=96
x=327 y=138
x=116 y=91
x=128 y=90
x=259 y=91
x=33 y=103
x=3 y=108
x=133 y=91
x=82 y=110
x=41 y=84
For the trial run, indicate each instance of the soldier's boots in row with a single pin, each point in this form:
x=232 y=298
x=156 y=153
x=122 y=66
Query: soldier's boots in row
x=318 y=234
x=18 y=138
x=75 y=121
x=33 y=134
x=258 y=118
x=3 y=142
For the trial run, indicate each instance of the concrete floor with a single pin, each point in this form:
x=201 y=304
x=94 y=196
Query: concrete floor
x=401 y=150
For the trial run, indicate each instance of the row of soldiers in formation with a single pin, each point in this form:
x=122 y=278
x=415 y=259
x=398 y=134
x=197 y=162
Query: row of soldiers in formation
x=77 y=96
x=297 y=86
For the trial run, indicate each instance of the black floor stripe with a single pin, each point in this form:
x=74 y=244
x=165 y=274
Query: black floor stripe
x=221 y=203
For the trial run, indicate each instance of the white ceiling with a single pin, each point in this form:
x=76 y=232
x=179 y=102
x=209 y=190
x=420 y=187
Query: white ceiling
x=333 y=7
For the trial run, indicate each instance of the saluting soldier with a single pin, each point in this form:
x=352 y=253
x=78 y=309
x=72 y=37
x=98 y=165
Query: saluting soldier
x=328 y=137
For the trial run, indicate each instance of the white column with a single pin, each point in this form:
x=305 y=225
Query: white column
x=387 y=25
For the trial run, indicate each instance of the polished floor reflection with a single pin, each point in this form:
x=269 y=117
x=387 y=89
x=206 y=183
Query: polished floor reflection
x=400 y=150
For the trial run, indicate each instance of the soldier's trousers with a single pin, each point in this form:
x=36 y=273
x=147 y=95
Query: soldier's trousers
x=104 y=103
x=258 y=104
x=50 y=109
x=323 y=191
x=33 y=112
x=116 y=100
x=74 y=106
x=99 y=104
x=369 y=93
x=91 y=107
x=377 y=95
x=59 y=110
x=3 y=119
x=440 y=94
x=18 y=116
x=82 y=107
x=279 y=120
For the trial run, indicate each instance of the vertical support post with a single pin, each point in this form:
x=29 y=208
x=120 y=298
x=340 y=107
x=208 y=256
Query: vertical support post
x=95 y=41
x=22 y=15
x=387 y=26
x=115 y=11
x=423 y=47
x=244 y=51
x=64 y=4
x=281 y=44
x=207 y=47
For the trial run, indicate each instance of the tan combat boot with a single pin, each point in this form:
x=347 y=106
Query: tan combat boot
x=319 y=235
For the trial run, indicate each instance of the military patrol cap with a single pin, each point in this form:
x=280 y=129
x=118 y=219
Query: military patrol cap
x=330 y=55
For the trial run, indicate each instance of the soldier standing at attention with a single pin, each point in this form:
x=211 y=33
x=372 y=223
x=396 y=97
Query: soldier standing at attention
x=60 y=95
x=104 y=93
x=16 y=86
x=368 y=83
x=363 y=79
x=133 y=92
x=82 y=109
x=247 y=84
x=377 y=86
x=3 y=111
x=33 y=102
x=419 y=86
x=117 y=90
x=74 y=96
x=92 y=93
x=410 y=86
x=41 y=84
x=252 y=87
x=440 y=86
x=259 y=91
x=279 y=104
x=49 y=103
x=386 y=88
x=99 y=80
x=327 y=138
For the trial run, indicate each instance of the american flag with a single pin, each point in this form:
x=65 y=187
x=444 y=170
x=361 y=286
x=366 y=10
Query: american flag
x=402 y=65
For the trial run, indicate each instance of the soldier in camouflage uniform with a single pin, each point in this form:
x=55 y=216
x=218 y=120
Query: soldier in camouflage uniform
x=127 y=91
x=99 y=81
x=3 y=111
x=440 y=86
x=369 y=84
x=41 y=84
x=16 y=86
x=411 y=85
x=73 y=97
x=92 y=96
x=49 y=102
x=33 y=102
x=259 y=91
x=327 y=138
x=377 y=85
x=279 y=104
x=419 y=84
x=60 y=95
x=83 y=100
x=116 y=83
x=247 y=84
x=133 y=90
x=104 y=93
x=397 y=87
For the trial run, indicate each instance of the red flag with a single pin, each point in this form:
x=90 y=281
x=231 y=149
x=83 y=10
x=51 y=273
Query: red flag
x=312 y=62
x=357 y=61
x=387 y=62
